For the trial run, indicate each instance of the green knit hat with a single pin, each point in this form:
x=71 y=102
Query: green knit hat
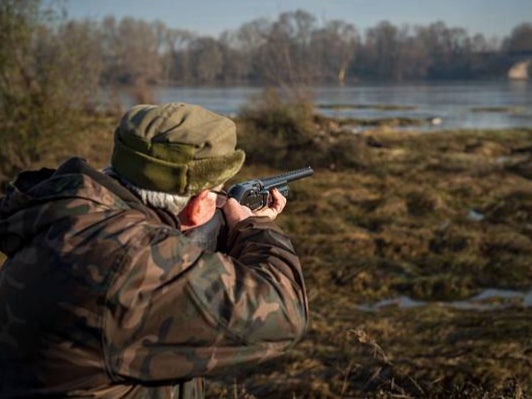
x=175 y=148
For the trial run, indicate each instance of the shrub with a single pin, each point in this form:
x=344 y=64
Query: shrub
x=276 y=131
x=45 y=81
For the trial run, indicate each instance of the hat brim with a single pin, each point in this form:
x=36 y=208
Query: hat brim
x=183 y=179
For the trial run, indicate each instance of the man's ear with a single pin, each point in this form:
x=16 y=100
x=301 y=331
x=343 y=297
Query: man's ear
x=197 y=211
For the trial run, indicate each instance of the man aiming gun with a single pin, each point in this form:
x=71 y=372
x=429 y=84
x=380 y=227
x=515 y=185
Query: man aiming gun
x=103 y=295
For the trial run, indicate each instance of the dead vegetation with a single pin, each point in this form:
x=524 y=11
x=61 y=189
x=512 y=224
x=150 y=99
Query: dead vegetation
x=432 y=217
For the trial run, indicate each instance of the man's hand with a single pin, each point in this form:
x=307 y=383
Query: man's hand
x=234 y=212
x=275 y=206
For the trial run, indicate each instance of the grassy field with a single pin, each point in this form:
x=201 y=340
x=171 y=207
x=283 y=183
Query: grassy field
x=424 y=219
x=397 y=231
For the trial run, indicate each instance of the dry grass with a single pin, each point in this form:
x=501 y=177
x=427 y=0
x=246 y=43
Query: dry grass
x=435 y=217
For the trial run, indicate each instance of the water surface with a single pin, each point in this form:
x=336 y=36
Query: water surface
x=469 y=105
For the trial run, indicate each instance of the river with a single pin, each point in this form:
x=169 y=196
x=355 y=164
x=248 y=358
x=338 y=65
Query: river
x=451 y=105
x=456 y=105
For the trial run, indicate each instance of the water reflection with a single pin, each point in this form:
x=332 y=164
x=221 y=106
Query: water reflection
x=454 y=103
x=489 y=299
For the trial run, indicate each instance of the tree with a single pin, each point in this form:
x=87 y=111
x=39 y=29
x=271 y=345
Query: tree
x=236 y=62
x=175 y=55
x=48 y=73
x=450 y=51
x=413 y=60
x=138 y=51
x=520 y=39
x=334 y=48
x=76 y=47
x=285 y=57
x=250 y=39
x=206 y=56
x=382 y=49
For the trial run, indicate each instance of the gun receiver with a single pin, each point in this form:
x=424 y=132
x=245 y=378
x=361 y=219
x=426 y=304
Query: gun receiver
x=255 y=193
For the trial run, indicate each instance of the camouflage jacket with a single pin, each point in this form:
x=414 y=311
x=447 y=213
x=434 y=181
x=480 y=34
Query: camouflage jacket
x=100 y=298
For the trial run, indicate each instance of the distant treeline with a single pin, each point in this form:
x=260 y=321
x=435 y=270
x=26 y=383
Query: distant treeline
x=52 y=68
x=295 y=48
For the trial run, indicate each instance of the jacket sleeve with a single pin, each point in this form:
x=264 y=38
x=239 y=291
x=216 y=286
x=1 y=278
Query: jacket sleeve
x=175 y=311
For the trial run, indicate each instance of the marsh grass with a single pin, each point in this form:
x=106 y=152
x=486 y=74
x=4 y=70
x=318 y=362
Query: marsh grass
x=400 y=224
x=382 y=107
x=511 y=110
x=388 y=214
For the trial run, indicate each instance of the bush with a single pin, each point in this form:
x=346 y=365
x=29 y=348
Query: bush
x=48 y=75
x=277 y=132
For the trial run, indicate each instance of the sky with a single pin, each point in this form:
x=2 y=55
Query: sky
x=493 y=18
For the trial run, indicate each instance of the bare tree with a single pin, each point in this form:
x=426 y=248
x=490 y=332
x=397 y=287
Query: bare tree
x=285 y=57
x=132 y=51
x=77 y=46
x=451 y=51
x=237 y=64
x=334 y=48
x=249 y=39
x=176 y=64
x=48 y=71
x=382 y=50
x=207 y=59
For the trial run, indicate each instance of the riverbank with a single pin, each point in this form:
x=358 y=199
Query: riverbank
x=390 y=246
x=392 y=219
x=477 y=104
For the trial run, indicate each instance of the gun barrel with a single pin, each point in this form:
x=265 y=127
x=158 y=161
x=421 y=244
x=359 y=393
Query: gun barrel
x=284 y=178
